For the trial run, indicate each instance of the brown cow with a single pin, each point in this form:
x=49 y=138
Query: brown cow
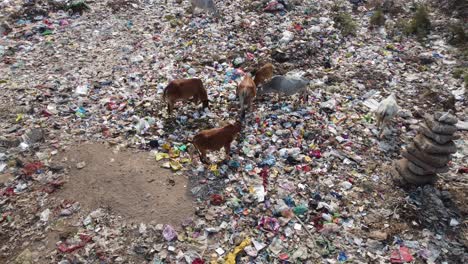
x=216 y=138
x=263 y=74
x=246 y=91
x=183 y=90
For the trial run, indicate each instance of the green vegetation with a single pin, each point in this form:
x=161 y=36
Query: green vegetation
x=461 y=73
x=465 y=79
x=345 y=23
x=377 y=19
x=457 y=34
x=420 y=25
x=78 y=7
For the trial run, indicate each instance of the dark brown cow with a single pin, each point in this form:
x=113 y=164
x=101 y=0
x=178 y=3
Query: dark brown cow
x=246 y=91
x=183 y=90
x=263 y=74
x=216 y=138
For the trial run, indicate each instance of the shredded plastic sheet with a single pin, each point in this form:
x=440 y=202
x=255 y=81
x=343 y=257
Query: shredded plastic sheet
x=231 y=257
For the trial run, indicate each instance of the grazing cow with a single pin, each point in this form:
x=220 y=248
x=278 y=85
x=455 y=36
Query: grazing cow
x=286 y=85
x=207 y=5
x=246 y=91
x=183 y=90
x=263 y=74
x=216 y=138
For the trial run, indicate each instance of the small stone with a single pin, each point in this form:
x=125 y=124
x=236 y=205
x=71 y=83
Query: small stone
x=437 y=161
x=438 y=127
x=346 y=185
x=81 y=165
x=26 y=257
x=34 y=136
x=462 y=125
x=220 y=251
x=445 y=118
x=426 y=60
x=45 y=215
x=378 y=235
x=454 y=222
x=441 y=139
x=431 y=147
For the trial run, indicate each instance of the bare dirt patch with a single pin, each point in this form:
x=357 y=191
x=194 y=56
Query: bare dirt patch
x=130 y=184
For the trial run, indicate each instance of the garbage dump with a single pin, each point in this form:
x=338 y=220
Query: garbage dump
x=94 y=168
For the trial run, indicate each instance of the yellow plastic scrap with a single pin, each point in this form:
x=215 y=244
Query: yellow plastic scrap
x=231 y=257
x=160 y=156
x=19 y=117
x=166 y=146
x=213 y=167
x=185 y=160
x=175 y=165
x=174 y=153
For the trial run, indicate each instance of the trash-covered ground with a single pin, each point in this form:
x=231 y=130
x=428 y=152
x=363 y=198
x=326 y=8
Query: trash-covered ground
x=307 y=182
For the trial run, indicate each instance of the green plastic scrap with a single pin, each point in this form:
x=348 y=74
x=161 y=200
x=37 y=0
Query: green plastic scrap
x=47 y=32
x=300 y=210
x=368 y=118
x=182 y=148
x=327 y=248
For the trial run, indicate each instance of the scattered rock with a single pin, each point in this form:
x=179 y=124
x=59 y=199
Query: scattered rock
x=34 y=135
x=81 y=165
x=378 y=235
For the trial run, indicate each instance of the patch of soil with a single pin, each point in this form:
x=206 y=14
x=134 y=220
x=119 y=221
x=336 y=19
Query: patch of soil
x=130 y=184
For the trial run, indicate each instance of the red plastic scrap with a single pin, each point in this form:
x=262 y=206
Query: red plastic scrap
x=53 y=186
x=401 y=255
x=269 y=224
x=316 y=153
x=111 y=106
x=65 y=248
x=463 y=170
x=5 y=216
x=198 y=261
x=86 y=238
x=264 y=175
x=32 y=168
x=216 y=199
x=10 y=191
x=47 y=113
x=297 y=26
x=304 y=168
x=317 y=221
x=105 y=131
x=283 y=256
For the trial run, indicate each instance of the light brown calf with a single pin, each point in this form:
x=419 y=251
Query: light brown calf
x=246 y=91
x=263 y=74
x=183 y=90
x=216 y=138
